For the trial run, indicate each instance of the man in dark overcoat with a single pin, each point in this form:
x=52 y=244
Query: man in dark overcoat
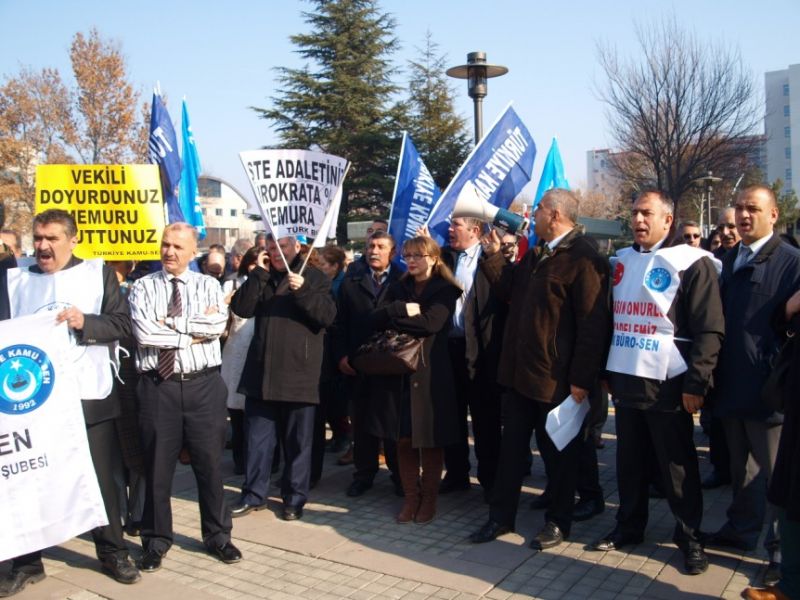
x=556 y=337
x=280 y=379
x=360 y=293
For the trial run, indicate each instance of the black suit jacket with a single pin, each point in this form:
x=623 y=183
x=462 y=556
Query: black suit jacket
x=484 y=321
x=357 y=299
x=6 y=262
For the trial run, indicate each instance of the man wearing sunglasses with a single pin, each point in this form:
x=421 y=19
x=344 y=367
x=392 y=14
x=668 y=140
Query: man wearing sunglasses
x=690 y=232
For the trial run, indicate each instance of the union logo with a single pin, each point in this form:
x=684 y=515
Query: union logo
x=26 y=378
x=619 y=271
x=658 y=279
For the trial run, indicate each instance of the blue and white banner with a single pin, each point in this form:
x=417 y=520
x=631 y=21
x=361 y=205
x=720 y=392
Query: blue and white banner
x=415 y=194
x=499 y=167
x=164 y=153
x=48 y=487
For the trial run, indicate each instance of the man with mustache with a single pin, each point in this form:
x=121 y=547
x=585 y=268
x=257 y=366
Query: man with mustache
x=359 y=294
x=83 y=284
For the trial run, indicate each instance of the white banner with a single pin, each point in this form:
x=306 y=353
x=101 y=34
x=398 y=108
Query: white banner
x=80 y=286
x=48 y=487
x=294 y=189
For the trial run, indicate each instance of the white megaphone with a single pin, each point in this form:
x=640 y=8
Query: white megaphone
x=469 y=204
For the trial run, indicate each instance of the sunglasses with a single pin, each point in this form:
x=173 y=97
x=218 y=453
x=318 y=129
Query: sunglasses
x=691 y=236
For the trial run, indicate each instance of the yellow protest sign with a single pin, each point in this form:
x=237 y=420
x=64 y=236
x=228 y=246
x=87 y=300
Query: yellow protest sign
x=118 y=208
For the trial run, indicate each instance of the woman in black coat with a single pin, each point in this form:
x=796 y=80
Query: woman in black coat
x=418 y=410
x=784 y=490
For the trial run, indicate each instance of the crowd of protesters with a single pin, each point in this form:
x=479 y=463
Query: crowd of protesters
x=255 y=347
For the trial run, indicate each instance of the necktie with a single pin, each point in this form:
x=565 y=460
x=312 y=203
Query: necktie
x=742 y=258
x=166 y=356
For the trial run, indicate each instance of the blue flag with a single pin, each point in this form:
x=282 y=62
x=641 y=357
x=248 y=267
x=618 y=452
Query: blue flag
x=498 y=167
x=415 y=194
x=192 y=212
x=552 y=177
x=164 y=152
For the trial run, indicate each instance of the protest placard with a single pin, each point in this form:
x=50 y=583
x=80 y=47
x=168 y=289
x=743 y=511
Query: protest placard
x=118 y=208
x=294 y=189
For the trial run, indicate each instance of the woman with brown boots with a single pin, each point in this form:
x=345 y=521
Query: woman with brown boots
x=419 y=409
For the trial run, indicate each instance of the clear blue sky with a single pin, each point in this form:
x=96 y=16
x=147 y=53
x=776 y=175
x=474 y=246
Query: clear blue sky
x=221 y=56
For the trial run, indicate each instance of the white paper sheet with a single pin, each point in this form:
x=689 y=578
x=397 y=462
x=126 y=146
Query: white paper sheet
x=565 y=420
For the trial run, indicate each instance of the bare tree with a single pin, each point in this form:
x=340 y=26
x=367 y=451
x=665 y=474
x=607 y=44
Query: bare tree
x=683 y=108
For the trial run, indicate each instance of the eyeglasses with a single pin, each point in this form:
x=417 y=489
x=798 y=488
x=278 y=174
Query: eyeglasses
x=408 y=257
x=691 y=236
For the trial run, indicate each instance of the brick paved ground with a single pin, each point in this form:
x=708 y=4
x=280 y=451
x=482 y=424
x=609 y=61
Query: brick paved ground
x=352 y=548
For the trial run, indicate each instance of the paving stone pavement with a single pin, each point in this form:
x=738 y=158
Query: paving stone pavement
x=352 y=548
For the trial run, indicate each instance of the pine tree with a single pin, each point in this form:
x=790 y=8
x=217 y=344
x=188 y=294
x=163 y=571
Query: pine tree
x=341 y=101
x=439 y=134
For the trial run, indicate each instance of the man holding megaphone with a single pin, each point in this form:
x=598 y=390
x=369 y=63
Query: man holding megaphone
x=469 y=204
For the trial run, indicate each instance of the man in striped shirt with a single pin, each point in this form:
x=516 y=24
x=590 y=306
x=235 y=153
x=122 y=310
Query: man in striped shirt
x=178 y=316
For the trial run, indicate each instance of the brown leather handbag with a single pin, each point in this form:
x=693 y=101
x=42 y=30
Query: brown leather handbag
x=389 y=353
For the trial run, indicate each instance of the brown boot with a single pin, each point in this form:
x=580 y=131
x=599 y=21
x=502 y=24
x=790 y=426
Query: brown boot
x=432 y=462
x=408 y=465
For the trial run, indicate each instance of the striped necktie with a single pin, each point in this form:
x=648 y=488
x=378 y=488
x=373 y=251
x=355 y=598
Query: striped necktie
x=166 y=356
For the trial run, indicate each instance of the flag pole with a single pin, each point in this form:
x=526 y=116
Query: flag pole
x=330 y=207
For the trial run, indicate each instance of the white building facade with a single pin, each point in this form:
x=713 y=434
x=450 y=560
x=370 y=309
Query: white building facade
x=224 y=213
x=782 y=125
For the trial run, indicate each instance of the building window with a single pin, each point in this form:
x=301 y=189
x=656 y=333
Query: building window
x=785 y=89
x=787 y=132
x=233 y=212
x=788 y=176
x=208 y=188
x=203 y=210
x=788 y=153
x=218 y=212
x=786 y=112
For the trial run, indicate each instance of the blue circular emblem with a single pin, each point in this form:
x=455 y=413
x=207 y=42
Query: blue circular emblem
x=657 y=279
x=26 y=379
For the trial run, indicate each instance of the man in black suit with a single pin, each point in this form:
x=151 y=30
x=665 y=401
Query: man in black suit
x=359 y=294
x=54 y=238
x=475 y=341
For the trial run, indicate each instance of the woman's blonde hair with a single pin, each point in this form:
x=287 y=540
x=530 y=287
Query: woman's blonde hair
x=425 y=245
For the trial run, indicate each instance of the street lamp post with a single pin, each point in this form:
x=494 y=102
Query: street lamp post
x=708 y=181
x=477 y=71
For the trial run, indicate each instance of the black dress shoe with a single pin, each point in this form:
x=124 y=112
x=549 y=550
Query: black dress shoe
x=150 y=561
x=358 y=487
x=772 y=574
x=616 y=540
x=695 y=560
x=541 y=502
x=15 y=581
x=133 y=529
x=454 y=484
x=292 y=513
x=241 y=509
x=490 y=531
x=715 y=480
x=120 y=568
x=227 y=553
x=586 y=509
x=549 y=537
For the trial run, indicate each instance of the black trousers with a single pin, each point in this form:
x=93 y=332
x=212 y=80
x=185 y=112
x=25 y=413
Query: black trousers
x=238 y=438
x=268 y=423
x=482 y=396
x=366 y=447
x=107 y=460
x=670 y=435
x=173 y=415
x=523 y=415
